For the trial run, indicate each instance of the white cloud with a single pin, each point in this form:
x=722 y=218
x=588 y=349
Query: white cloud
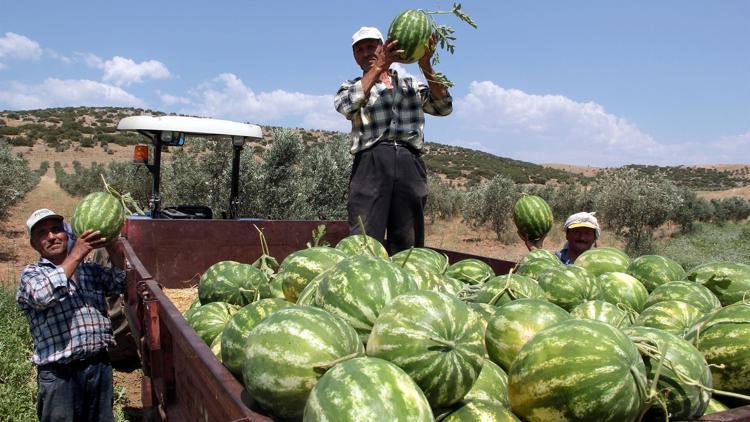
x=121 y=71
x=404 y=72
x=90 y=59
x=550 y=128
x=227 y=96
x=61 y=93
x=14 y=46
x=170 y=100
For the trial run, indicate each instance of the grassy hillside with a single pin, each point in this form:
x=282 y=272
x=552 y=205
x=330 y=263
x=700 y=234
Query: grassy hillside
x=78 y=128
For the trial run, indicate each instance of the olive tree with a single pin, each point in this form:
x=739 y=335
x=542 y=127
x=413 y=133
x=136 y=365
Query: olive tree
x=633 y=205
x=491 y=203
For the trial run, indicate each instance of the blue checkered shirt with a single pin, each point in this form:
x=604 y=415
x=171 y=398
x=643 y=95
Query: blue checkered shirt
x=396 y=114
x=68 y=317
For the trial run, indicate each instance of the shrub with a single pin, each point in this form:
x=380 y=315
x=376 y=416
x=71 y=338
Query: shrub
x=16 y=179
x=491 y=203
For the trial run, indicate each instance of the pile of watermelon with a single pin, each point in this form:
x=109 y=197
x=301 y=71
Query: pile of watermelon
x=349 y=333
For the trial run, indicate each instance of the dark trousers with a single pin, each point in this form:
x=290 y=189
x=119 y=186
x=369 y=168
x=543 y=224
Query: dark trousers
x=388 y=190
x=76 y=391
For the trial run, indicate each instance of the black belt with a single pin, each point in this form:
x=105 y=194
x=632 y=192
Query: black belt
x=98 y=357
x=395 y=144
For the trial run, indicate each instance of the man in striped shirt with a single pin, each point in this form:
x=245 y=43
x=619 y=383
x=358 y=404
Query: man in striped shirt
x=388 y=184
x=64 y=300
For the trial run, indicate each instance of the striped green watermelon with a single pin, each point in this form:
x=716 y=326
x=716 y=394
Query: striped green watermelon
x=569 y=286
x=191 y=309
x=536 y=254
x=578 y=370
x=99 y=211
x=286 y=354
x=491 y=386
x=366 y=388
x=216 y=347
x=437 y=339
x=684 y=401
x=305 y=264
x=532 y=216
x=235 y=283
x=276 y=288
x=655 y=270
x=504 y=288
x=599 y=310
x=724 y=339
x=412 y=30
x=479 y=410
x=672 y=316
x=603 y=260
x=426 y=279
x=358 y=244
x=307 y=295
x=209 y=319
x=424 y=258
x=235 y=333
x=534 y=268
x=685 y=291
x=729 y=281
x=622 y=288
x=715 y=406
x=516 y=323
x=470 y=271
x=450 y=286
x=486 y=311
x=357 y=288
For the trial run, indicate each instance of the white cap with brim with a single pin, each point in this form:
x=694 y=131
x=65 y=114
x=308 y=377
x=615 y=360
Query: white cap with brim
x=583 y=219
x=40 y=215
x=366 y=33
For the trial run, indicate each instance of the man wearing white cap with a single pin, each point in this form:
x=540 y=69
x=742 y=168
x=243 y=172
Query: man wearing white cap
x=388 y=184
x=64 y=300
x=581 y=233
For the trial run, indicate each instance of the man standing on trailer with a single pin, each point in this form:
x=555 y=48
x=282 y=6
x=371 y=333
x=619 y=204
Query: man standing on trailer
x=64 y=300
x=388 y=184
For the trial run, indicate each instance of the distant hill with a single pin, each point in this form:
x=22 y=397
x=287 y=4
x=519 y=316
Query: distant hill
x=91 y=127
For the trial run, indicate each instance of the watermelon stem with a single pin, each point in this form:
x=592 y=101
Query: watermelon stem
x=408 y=255
x=445 y=345
x=366 y=244
x=265 y=262
x=125 y=199
x=322 y=368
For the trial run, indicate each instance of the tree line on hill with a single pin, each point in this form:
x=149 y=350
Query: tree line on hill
x=288 y=180
x=80 y=128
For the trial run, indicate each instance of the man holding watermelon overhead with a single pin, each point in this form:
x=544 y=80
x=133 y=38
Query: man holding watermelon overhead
x=64 y=300
x=581 y=233
x=388 y=184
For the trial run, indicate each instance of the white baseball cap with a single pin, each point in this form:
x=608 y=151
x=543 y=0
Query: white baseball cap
x=366 y=33
x=40 y=215
x=583 y=219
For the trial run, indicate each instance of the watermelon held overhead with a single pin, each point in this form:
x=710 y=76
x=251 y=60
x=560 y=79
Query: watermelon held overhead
x=532 y=216
x=413 y=29
x=99 y=211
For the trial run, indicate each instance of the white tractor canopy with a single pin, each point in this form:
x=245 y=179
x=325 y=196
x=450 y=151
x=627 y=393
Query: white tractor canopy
x=190 y=126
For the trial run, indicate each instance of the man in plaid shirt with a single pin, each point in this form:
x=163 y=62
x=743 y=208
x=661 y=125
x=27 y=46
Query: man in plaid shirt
x=388 y=184
x=64 y=300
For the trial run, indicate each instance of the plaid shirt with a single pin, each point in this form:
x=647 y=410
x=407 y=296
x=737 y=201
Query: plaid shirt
x=68 y=317
x=396 y=114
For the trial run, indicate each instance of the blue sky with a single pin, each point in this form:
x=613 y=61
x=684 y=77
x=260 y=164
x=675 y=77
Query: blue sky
x=601 y=83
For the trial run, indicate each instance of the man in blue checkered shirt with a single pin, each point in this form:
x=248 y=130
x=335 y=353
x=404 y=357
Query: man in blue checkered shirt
x=388 y=184
x=64 y=300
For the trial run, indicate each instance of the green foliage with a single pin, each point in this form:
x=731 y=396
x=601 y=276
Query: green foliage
x=697 y=178
x=16 y=179
x=21 y=141
x=123 y=176
x=633 y=205
x=709 y=242
x=17 y=384
x=443 y=200
x=491 y=203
